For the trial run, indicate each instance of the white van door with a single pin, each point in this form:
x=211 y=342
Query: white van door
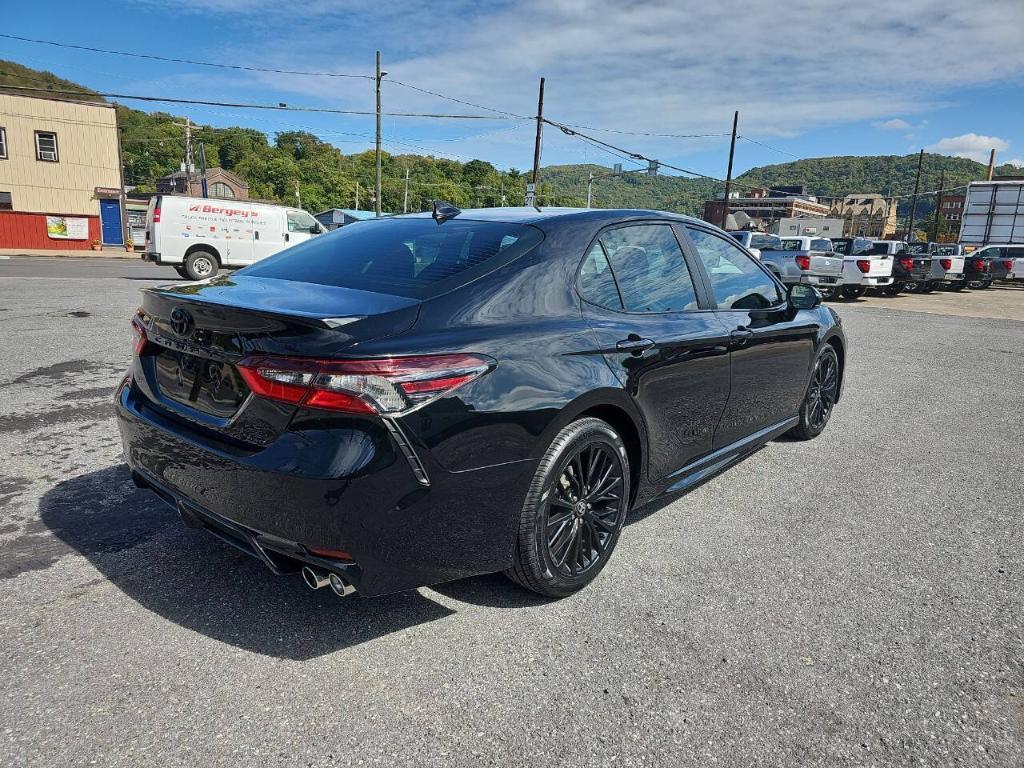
x=301 y=226
x=268 y=230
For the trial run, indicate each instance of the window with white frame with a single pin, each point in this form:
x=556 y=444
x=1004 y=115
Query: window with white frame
x=3 y=143
x=46 y=147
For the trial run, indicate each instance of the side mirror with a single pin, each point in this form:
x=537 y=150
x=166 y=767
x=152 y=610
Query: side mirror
x=315 y=229
x=801 y=296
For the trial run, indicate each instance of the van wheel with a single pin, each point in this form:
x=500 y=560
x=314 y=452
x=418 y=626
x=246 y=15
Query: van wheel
x=574 y=510
x=853 y=291
x=200 y=265
x=181 y=271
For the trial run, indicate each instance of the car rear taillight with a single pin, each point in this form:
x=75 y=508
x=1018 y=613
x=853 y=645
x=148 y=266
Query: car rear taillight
x=139 y=334
x=386 y=385
x=156 y=215
x=864 y=265
x=907 y=264
x=947 y=264
x=1008 y=263
x=803 y=262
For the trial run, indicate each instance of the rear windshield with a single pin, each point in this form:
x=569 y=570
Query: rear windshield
x=917 y=249
x=415 y=258
x=842 y=246
x=764 y=242
x=821 y=244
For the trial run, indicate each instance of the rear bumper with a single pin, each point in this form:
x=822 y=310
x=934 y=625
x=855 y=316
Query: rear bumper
x=342 y=489
x=822 y=281
x=876 y=282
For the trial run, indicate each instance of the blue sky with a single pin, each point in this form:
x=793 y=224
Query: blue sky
x=809 y=78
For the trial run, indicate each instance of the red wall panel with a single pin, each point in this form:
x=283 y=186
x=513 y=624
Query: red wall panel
x=28 y=230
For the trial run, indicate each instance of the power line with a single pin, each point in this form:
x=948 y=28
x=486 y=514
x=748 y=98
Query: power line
x=282 y=107
x=768 y=146
x=457 y=101
x=194 y=62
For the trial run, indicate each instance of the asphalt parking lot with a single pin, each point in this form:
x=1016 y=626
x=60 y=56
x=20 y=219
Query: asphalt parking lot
x=854 y=600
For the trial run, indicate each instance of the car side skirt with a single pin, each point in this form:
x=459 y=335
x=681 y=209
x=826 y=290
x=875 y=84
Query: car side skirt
x=702 y=469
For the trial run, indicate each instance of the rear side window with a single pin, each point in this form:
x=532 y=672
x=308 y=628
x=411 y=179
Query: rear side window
x=649 y=268
x=597 y=283
x=416 y=258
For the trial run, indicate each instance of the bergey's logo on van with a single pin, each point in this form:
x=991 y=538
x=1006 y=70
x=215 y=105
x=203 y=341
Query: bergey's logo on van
x=206 y=208
x=182 y=322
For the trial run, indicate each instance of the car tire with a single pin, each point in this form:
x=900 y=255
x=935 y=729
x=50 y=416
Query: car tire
x=983 y=284
x=911 y=287
x=200 y=265
x=181 y=271
x=894 y=289
x=578 y=498
x=956 y=285
x=853 y=291
x=820 y=399
x=927 y=287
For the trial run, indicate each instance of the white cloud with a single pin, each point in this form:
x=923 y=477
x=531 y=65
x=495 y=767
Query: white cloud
x=970 y=145
x=1017 y=161
x=671 y=66
x=896 y=124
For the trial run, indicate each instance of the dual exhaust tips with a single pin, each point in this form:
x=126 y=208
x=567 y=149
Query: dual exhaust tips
x=317 y=579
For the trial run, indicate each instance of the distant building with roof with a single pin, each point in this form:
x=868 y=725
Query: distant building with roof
x=333 y=218
x=220 y=183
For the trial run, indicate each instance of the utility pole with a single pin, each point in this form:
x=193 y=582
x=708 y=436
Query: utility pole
x=405 y=200
x=938 y=206
x=531 y=188
x=188 y=165
x=991 y=163
x=202 y=168
x=298 y=194
x=728 y=173
x=913 y=200
x=357 y=195
x=377 y=196
x=590 y=187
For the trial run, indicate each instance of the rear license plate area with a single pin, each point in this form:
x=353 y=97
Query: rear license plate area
x=211 y=386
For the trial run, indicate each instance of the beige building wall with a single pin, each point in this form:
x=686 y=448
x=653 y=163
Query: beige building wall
x=87 y=149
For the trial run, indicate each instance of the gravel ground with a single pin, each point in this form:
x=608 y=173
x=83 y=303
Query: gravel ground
x=855 y=600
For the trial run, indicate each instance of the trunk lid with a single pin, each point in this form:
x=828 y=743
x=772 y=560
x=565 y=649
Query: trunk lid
x=198 y=332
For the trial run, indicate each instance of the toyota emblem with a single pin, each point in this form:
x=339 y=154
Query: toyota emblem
x=182 y=322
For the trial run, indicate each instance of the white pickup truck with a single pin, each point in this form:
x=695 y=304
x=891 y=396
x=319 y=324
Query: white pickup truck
x=862 y=270
x=948 y=266
x=808 y=260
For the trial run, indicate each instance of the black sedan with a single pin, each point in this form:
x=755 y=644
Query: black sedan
x=422 y=398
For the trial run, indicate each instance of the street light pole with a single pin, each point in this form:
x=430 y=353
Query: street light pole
x=376 y=202
x=590 y=187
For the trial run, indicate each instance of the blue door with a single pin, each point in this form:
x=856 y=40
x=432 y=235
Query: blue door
x=110 y=222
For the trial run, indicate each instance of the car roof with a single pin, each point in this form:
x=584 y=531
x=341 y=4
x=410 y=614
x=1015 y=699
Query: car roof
x=528 y=215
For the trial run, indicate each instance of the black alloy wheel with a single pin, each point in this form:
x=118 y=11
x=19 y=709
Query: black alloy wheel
x=574 y=510
x=822 y=393
x=584 y=508
x=853 y=291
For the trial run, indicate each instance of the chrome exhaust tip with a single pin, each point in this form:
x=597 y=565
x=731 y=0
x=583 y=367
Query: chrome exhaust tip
x=340 y=586
x=315 y=579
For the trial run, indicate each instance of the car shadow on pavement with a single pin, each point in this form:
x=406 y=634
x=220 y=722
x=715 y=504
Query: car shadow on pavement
x=192 y=579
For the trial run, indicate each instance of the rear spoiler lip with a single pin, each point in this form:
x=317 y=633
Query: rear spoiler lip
x=313 y=319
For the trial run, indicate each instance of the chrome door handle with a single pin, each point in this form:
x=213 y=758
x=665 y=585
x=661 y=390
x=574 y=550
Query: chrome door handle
x=741 y=335
x=634 y=346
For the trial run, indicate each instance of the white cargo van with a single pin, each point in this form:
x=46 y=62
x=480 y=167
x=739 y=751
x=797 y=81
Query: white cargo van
x=197 y=236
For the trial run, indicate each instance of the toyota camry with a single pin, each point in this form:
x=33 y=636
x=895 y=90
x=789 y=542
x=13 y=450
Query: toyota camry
x=422 y=398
